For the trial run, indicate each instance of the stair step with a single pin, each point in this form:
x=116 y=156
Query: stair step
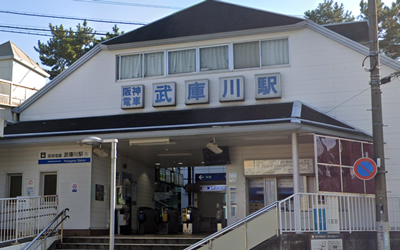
x=120 y=246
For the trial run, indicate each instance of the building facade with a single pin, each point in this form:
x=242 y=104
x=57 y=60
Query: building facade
x=257 y=89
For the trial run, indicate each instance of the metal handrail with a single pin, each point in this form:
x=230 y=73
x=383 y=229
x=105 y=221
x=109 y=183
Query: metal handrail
x=232 y=226
x=62 y=213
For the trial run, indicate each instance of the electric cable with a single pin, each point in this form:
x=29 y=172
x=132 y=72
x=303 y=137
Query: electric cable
x=70 y=17
x=130 y=4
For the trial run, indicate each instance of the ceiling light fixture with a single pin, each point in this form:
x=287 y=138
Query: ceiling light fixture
x=150 y=142
x=214 y=147
x=264 y=138
x=175 y=154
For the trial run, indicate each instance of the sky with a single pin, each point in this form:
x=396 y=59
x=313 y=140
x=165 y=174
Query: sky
x=138 y=11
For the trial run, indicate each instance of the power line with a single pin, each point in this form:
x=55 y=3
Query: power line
x=70 y=18
x=130 y=4
x=25 y=32
x=42 y=29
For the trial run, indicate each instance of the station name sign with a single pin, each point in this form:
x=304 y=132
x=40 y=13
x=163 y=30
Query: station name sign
x=266 y=86
x=63 y=156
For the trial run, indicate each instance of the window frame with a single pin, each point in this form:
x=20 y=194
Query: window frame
x=142 y=65
x=260 y=53
x=9 y=176
x=195 y=61
x=42 y=180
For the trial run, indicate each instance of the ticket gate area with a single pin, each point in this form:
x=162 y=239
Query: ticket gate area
x=191 y=220
x=170 y=221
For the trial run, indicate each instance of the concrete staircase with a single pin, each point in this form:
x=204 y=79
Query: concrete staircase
x=134 y=242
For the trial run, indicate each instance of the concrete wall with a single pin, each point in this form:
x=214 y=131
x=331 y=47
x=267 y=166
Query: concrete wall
x=350 y=241
x=27 y=77
x=6 y=69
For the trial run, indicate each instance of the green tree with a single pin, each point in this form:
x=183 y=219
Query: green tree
x=67 y=46
x=388 y=26
x=329 y=12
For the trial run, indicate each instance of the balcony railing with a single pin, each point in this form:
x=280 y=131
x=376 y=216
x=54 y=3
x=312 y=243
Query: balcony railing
x=14 y=94
x=24 y=217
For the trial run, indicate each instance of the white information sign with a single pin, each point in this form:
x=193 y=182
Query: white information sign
x=164 y=94
x=30 y=187
x=196 y=91
x=277 y=167
x=326 y=242
x=132 y=96
x=268 y=86
x=231 y=89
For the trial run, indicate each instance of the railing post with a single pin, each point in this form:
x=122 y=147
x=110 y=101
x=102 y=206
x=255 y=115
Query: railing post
x=62 y=228
x=245 y=235
x=348 y=209
x=16 y=221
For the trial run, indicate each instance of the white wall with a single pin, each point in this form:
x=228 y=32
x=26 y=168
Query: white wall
x=322 y=73
x=27 y=77
x=240 y=154
x=6 y=69
x=142 y=174
x=24 y=160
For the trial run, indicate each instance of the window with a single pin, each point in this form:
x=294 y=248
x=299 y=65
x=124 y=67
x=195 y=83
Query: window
x=131 y=67
x=246 y=55
x=49 y=184
x=273 y=52
x=254 y=54
x=14 y=185
x=139 y=65
x=214 y=58
x=182 y=61
x=154 y=64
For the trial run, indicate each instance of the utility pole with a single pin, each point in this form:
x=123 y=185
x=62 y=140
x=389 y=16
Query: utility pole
x=382 y=222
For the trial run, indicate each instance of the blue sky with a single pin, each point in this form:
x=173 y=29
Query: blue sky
x=130 y=12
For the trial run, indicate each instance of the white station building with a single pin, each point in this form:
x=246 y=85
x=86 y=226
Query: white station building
x=266 y=88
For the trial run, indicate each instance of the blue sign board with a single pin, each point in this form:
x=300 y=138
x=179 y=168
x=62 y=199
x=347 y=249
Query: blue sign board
x=211 y=177
x=212 y=188
x=365 y=168
x=68 y=160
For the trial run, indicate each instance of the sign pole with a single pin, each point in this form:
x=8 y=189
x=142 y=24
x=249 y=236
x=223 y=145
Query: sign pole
x=381 y=205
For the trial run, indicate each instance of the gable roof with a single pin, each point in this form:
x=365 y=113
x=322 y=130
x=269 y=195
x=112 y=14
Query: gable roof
x=356 y=31
x=207 y=17
x=296 y=113
x=10 y=50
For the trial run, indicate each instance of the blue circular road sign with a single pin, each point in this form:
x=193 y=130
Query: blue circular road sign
x=365 y=168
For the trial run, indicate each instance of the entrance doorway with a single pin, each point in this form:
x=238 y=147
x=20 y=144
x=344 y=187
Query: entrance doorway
x=49 y=184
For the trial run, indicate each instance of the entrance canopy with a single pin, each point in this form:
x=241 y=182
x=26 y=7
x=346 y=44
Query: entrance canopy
x=180 y=136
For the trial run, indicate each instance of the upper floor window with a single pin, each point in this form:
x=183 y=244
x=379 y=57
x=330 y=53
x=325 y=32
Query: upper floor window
x=258 y=54
x=141 y=65
x=214 y=58
x=182 y=61
x=253 y=54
